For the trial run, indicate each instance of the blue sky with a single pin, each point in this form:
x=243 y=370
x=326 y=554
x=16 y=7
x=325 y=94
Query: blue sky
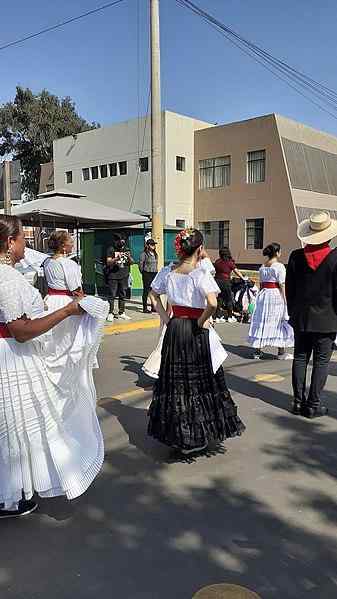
x=95 y=61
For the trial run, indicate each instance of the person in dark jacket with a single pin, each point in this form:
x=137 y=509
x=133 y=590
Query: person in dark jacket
x=148 y=266
x=117 y=272
x=311 y=292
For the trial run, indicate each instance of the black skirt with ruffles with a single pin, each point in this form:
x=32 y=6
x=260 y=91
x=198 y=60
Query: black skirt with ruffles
x=191 y=405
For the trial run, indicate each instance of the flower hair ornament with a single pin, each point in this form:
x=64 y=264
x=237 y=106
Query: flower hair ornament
x=181 y=243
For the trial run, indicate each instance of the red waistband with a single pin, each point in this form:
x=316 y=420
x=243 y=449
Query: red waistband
x=185 y=312
x=4 y=331
x=59 y=292
x=269 y=285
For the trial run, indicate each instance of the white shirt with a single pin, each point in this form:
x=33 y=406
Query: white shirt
x=63 y=273
x=189 y=290
x=276 y=273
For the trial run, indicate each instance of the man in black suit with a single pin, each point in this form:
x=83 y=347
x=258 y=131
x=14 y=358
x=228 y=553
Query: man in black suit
x=311 y=290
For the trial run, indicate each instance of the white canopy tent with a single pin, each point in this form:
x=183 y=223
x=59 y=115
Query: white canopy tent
x=61 y=208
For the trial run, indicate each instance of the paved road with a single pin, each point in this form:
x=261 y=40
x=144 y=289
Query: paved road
x=262 y=514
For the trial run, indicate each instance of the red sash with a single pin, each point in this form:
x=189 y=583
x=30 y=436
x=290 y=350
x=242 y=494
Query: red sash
x=4 y=331
x=59 y=292
x=269 y=285
x=185 y=312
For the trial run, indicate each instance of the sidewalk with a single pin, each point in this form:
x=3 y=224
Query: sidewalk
x=139 y=320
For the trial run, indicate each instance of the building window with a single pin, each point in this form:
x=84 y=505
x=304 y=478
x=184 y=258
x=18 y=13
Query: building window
x=214 y=172
x=86 y=174
x=181 y=163
x=143 y=164
x=69 y=176
x=123 y=167
x=94 y=172
x=103 y=169
x=254 y=233
x=113 y=169
x=180 y=223
x=224 y=233
x=256 y=166
x=216 y=233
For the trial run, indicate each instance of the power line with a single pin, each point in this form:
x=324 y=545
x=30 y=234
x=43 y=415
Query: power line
x=59 y=25
x=292 y=77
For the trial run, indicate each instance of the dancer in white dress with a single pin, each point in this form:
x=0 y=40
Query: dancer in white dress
x=191 y=404
x=151 y=366
x=74 y=344
x=50 y=438
x=269 y=325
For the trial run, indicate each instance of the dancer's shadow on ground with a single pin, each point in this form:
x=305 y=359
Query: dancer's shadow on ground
x=134 y=422
x=247 y=353
x=132 y=363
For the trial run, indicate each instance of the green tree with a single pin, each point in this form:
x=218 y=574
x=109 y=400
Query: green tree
x=28 y=127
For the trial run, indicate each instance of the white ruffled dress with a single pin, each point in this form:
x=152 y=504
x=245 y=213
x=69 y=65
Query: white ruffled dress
x=269 y=325
x=190 y=291
x=50 y=439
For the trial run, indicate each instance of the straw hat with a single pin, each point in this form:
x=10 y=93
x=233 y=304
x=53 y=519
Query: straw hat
x=317 y=229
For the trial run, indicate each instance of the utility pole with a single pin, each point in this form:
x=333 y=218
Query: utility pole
x=156 y=135
x=7 y=187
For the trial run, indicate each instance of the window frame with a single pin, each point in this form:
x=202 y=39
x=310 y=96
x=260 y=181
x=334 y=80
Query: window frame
x=119 y=168
x=246 y=233
x=86 y=168
x=66 y=177
x=115 y=165
x=256 y=161
x=143 y=160
x=101 y=166
x=183 y=164
x=227 y=173
x=91 y=175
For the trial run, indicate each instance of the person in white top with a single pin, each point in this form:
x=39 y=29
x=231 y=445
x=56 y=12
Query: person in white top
x=191 y=404
x=50 y=439
x=73 y=344
x=269 y=324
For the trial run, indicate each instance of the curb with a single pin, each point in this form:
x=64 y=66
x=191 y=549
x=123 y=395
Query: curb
x=128 y=327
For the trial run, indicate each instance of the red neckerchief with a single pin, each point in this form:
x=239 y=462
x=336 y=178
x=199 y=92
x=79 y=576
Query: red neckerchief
x=316 y=254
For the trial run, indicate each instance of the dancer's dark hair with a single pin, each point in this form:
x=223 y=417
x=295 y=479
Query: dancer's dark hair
x=10 y=226
x=271 y=250
x=225 y=253
x=187 y=242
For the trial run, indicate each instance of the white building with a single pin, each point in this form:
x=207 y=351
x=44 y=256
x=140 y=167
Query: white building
x=111 y=165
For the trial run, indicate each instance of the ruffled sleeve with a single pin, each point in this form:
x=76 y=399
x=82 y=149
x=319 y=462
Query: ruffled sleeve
x=72 y=274
x=15 y=300
x=280 y=273
x=206 y=283
x=159 y=284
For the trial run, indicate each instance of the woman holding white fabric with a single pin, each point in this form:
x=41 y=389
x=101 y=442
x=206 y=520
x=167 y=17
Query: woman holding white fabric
x=50 y=438
x=74 y=344
x=191 y=404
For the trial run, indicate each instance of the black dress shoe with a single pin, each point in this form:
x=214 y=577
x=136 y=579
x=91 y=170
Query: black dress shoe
x=24 y=508
x=298 y=408
x=317 y=412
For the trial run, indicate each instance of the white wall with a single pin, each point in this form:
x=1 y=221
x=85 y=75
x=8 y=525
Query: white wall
x=120 y=142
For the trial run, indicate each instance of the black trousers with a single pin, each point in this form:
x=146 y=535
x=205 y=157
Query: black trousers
x=147 y=282
x=118 y=288
x=320 y=345
x=225 y=298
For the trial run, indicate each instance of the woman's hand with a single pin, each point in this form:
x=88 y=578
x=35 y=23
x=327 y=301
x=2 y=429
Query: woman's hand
x=74 y=308
x=203 y=324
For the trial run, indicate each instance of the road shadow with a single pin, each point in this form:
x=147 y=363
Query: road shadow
x=134 y=363
x=309 y=446
x=247 y=352
x=137 y=536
